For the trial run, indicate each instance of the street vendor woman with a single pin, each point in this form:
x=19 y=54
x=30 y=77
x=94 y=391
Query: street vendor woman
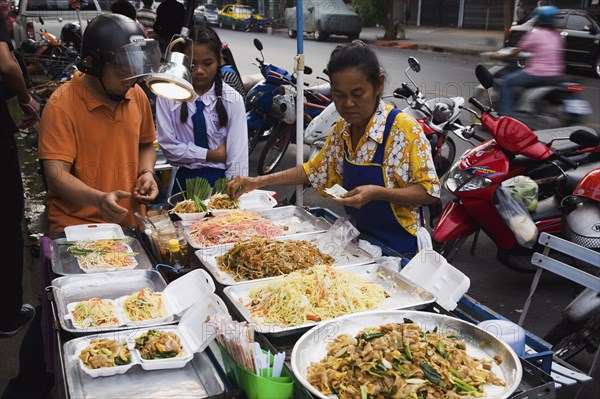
x=378 y=154
x=97 y=132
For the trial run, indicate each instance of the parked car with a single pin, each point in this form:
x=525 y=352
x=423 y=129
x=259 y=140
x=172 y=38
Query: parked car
x=324 y=18
x=236 y=16
x=211 y=14
x=50 y=16
x=582 y=35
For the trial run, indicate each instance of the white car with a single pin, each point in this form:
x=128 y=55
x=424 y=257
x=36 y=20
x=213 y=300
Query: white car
x=50 y=16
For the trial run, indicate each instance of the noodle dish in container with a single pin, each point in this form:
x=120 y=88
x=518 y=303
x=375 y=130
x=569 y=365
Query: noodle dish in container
x=384 y=354
x=103 y=357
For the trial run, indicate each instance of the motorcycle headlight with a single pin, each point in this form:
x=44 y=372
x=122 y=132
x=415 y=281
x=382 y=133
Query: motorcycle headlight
x=458 y=179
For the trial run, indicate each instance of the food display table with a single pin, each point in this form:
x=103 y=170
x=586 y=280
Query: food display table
x=206 y=373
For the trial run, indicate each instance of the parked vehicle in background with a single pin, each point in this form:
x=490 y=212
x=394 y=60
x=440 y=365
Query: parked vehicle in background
x=324 y=18
x=211 y=14
x=50 y=16
x=236 y=16
x=581 y=33
x=207 y=14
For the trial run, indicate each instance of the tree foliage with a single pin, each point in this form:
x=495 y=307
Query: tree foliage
x=372 y=12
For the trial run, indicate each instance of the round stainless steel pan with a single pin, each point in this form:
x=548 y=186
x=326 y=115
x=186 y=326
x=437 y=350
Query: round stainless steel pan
x=312 y=346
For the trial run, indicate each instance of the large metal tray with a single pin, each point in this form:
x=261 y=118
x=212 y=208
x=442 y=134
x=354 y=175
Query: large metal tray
x=69 y=289
x=295 y=220
x=197 y=379
x=404 y=294
x=312 y=346
x=351 y=255
x=66 y=264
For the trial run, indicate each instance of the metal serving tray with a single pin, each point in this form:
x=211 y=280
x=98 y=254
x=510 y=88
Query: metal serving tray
x=295 y=220
x=404 y=294
x=66 y=264
x=69 y=289
x=197 y=379
x=351 y=255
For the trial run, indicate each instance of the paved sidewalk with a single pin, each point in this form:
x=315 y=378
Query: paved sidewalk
x=447 y=40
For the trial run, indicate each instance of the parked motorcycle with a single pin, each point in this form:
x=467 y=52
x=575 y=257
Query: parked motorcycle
x=579 y=327
x=435 y=116
x=284 y=110
x=514 y=150
x=259 y=99
x=539 y=107
x=257 y=25
x=46 y=57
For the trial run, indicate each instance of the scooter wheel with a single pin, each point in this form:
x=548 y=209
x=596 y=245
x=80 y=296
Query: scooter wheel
x=275 y=147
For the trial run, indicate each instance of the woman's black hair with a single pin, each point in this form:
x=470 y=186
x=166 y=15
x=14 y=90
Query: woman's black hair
x=355 y=55
x=203 y=34
x=123 y=7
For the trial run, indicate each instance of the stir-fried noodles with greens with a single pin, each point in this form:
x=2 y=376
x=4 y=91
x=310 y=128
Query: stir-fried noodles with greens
x=401 y=361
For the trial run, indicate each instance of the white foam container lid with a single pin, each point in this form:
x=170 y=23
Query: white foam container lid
x=432 y=271
x=195 y=331
x=92 y=232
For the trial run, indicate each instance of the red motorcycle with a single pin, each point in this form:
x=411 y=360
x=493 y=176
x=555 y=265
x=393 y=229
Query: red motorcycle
x=514 y=150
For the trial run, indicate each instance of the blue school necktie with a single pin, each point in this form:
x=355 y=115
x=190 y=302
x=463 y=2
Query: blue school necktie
x=200 y=137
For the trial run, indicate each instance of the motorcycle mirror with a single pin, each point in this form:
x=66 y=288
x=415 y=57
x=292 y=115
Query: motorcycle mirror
x=484 y=76
x=258 y=45
x=414 y=64
x=41 y=20
x=585 y=138
x=307 y=70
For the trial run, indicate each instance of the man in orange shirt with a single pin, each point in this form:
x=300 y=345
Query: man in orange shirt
x=97 y=132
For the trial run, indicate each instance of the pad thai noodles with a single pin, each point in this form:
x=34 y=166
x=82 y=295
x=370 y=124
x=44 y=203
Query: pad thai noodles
x=144 y=305
x=401 y=361
x=261 y=257
x=95 y=312
x=100 y=254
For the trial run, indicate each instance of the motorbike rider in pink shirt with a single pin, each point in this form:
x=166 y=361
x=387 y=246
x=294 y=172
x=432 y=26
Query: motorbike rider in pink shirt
x=543 y=66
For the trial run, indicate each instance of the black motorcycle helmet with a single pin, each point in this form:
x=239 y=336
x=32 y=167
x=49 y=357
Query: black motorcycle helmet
x=103 y=36
x=70 y=34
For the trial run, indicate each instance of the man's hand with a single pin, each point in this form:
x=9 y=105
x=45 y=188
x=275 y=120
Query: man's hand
x=110 y=210
x=31 y=114
x=146 y=189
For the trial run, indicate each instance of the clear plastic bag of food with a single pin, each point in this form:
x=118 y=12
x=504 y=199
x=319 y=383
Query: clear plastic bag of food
x=523 y=189
x=340 y=234
x=517 y=218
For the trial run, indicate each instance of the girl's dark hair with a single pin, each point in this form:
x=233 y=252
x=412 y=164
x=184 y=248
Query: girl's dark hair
x=355 y=55
x=123 y=7
x=202 y=34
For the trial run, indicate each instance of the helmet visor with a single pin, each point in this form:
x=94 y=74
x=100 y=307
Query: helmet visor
x=135 y=59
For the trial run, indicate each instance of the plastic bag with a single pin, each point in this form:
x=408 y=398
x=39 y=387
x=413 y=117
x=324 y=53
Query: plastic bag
x=337 y=237
x=523 y=189
x=423 y=239
x=517 y=218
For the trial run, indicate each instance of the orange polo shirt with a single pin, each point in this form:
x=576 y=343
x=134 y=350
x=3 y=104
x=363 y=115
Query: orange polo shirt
x=101 y=145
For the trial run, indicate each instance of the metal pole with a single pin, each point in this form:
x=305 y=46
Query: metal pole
x=299 y=67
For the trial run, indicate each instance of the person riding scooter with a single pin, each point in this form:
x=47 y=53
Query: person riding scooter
x=545 y=64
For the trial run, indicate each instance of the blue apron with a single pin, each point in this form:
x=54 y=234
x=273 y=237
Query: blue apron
x=377 y=217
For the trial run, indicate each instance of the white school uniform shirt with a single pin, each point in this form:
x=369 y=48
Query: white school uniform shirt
x=177 y=139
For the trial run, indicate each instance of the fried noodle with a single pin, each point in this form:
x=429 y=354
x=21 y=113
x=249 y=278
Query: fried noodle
x=400 y=361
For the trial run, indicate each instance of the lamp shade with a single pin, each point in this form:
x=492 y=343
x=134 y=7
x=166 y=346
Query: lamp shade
x=173 y=79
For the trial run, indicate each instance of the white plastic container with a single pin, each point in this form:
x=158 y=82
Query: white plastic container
x=507 y=331
x=195 y=331
x=92 y=232
x=431 y=271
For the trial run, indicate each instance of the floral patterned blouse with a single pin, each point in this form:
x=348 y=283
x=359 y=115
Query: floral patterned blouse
x=407 y=159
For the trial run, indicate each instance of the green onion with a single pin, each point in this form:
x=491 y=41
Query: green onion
x=363 y=392
x=431 y=374
x=221 y=185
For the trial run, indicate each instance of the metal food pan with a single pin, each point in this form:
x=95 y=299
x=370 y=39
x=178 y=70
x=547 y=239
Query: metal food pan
x=65 y=264
x=296 y=222
x=404 y=294
x=197 y=379
x=351 y=255
x=70 y=289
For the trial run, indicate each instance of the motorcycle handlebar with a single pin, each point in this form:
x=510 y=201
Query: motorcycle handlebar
x=567 y=161
x=478 y=104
